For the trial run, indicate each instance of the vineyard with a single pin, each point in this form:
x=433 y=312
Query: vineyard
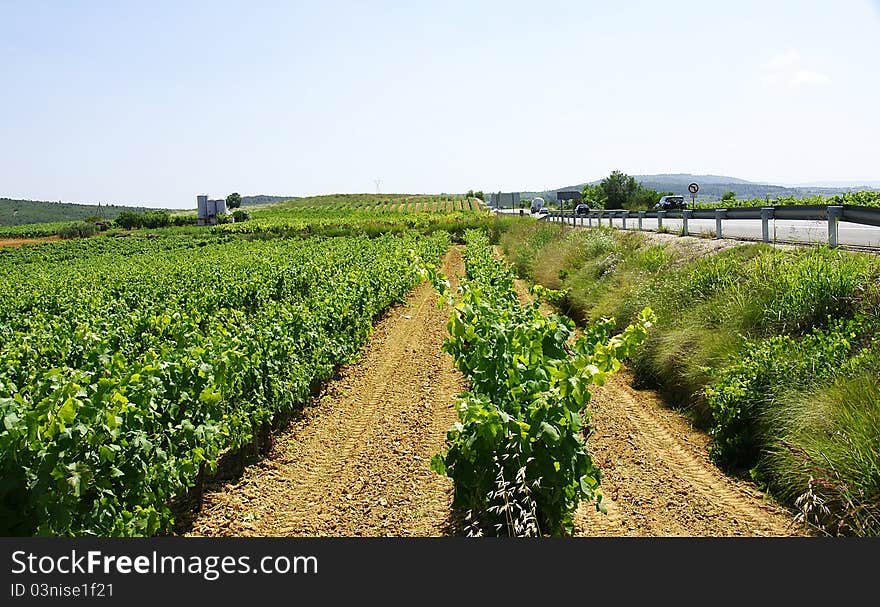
x=33 y=230
x=129 y=366
x=368 y=214
x=517 y=455
x=383 y=203
x=137 y=364
x=865 y=198
x=329 y=214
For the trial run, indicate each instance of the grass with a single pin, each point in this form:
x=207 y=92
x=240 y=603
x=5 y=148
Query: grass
x=747 y=340
x=824 y=453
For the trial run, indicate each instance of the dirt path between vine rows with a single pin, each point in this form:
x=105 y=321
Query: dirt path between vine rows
x=357 y=461
x=658 y=479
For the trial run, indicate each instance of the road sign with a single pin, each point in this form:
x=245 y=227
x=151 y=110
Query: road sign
x=693 y=188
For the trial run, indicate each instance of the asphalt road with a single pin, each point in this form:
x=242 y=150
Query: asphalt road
x=781 y=230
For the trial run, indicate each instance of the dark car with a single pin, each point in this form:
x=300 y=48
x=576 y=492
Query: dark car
x=581 y=209
x=668 y=203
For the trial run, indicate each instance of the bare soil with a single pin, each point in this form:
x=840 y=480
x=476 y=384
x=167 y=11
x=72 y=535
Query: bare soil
x=17 y=242
x=356 y=461
x=658 y=479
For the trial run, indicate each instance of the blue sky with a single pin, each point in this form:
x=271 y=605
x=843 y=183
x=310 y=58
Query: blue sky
x=155 y=102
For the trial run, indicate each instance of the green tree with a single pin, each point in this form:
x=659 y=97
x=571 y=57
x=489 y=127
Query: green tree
x=593 y=196
x=233 y=201
x=728 y=196
x=479 y=194
x=644 y=198
x=129 y=220
x=155 y=219
x=619 y=189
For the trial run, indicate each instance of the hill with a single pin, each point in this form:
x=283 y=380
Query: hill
x=15 y=212
x=19 y=212
x=264 y=199
x=713 y=186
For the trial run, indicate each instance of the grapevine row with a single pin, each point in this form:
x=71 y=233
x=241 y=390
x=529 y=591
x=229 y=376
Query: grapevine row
x=127 y=372
x=517 y=455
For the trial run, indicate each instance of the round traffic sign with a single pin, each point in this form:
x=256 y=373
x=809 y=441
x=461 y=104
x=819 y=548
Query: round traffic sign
x=693 y=188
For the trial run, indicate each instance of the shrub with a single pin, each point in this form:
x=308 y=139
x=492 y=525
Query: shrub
x=81 y=229
x=746 y=389
x=184 y=220
x=155 y=219
x=129 y=220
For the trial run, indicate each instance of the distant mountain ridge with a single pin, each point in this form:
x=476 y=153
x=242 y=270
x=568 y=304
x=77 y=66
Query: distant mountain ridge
x=867 y=184
x=713 y=186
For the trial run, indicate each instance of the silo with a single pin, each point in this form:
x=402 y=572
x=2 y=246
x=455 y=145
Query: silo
x=202 y=203
x=221 y=206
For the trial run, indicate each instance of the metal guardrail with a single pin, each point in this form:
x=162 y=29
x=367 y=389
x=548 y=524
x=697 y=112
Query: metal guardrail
x=868 y=216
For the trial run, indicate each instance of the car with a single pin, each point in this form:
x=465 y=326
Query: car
x=542 y=211
x=581 y=209
x=668 y=203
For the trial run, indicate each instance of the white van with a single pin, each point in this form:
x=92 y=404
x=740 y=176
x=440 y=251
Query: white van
x=537 y=204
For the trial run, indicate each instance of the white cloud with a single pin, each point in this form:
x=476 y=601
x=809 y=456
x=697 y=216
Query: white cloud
x=787 y=69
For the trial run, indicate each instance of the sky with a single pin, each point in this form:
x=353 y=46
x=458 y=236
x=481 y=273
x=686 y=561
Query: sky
x=152 y=103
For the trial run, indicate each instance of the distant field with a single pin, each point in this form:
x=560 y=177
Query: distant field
x=403 y=203
x=32 y=230
x=367 y=214
x=330 y=214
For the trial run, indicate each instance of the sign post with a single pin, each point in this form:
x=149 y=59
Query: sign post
x=693 y=188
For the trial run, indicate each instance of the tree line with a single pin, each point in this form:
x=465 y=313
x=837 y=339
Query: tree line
x=622 y=191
